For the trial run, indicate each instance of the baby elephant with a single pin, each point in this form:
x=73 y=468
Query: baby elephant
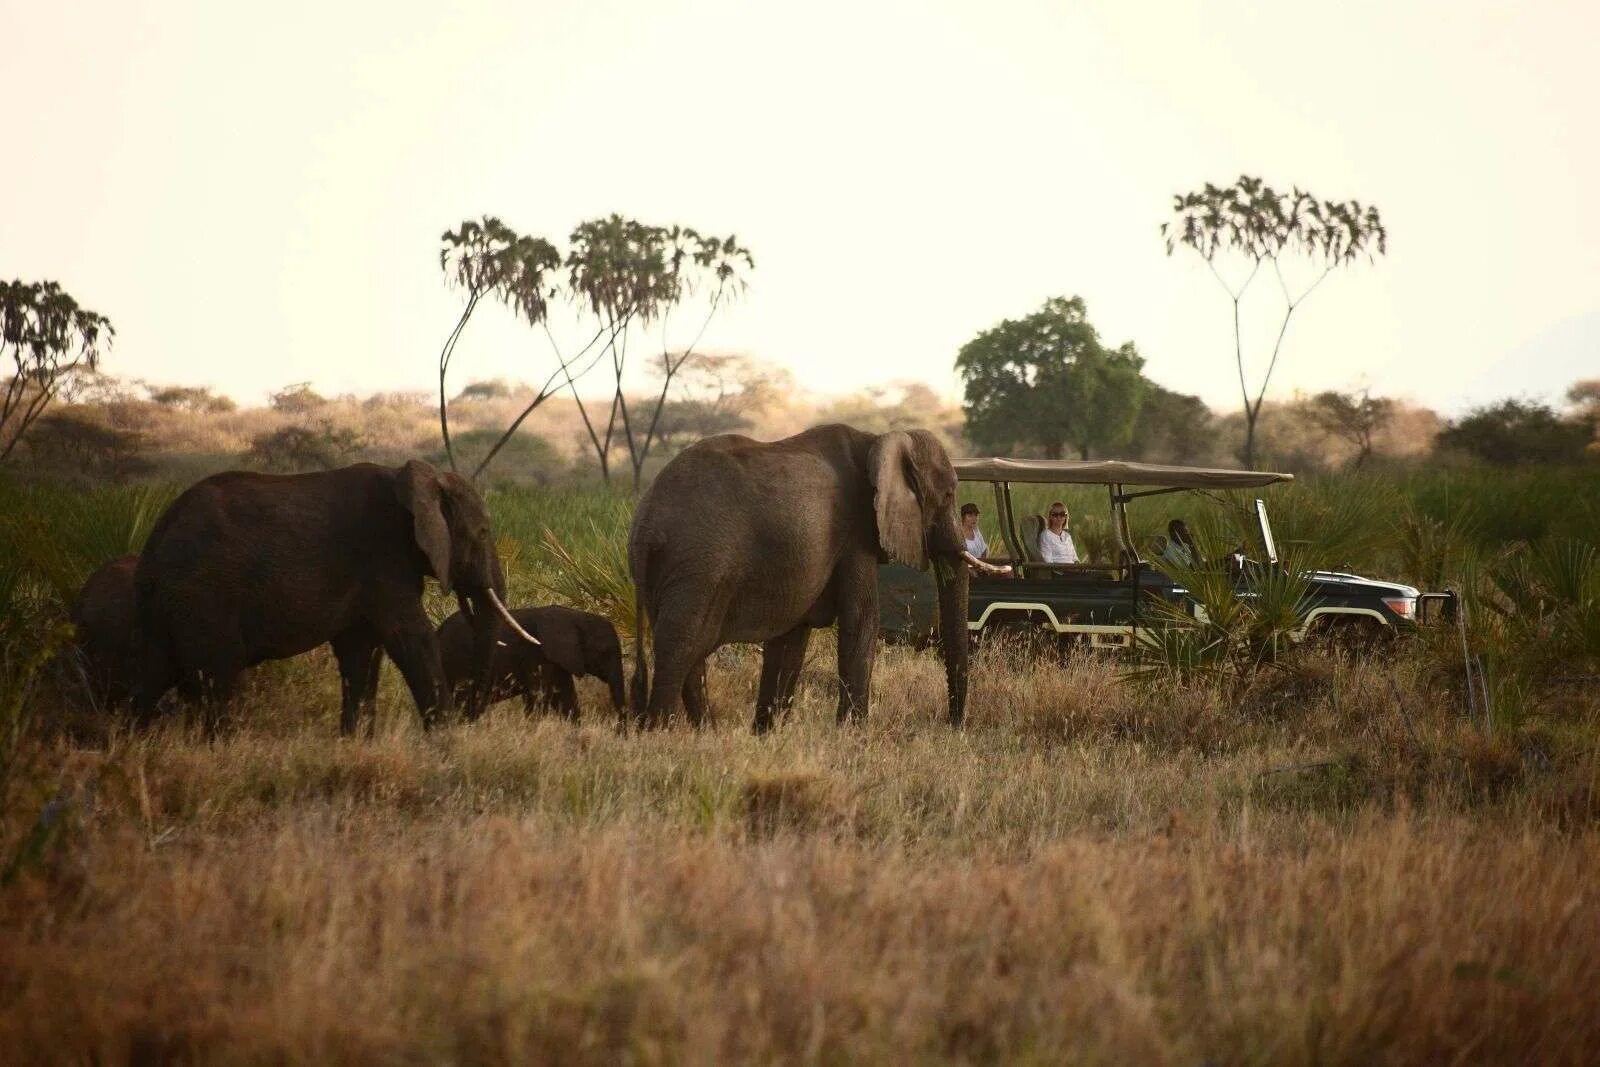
x=103 y=615
x=571 y=642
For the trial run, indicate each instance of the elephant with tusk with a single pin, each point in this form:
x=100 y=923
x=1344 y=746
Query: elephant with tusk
x=741 y=540
x=246 y=567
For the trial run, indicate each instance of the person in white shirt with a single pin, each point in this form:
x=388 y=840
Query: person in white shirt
x=1055 y=543
x=1180 y=546
x=970 y=532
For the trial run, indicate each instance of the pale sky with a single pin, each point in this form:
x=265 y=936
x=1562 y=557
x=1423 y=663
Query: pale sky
x=254 y=193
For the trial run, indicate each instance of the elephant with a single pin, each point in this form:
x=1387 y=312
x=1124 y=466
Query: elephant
x=102 y=615
x=245 y=567
x=750 y=541
x=571 y=643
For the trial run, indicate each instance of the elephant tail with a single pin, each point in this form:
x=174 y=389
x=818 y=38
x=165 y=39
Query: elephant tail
x=639 y=692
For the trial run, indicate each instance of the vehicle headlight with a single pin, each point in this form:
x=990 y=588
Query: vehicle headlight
x=1403 y=606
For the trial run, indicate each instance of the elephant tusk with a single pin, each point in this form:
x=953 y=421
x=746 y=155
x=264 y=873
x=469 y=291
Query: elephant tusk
x=509 y=621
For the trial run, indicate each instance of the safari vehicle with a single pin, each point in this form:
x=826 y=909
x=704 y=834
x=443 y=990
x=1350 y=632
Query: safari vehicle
x=1104 y=603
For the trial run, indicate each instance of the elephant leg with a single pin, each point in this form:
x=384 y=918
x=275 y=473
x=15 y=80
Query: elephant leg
x=415 y=651
x=360 y=659
x=781 y=661
x=153 y=677
x=564 y=695
x=211 y=663
x=857 y=603
x=534 y=682
x=675 y=657
x=686 y=632
x=694 y=695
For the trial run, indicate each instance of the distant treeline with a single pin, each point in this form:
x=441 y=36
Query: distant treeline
x=114 y=430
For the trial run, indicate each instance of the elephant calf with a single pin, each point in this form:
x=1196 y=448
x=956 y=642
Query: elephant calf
x=571 y=643
x=103 y=615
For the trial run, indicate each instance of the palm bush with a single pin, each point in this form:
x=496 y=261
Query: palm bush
x=1435 y=552
x=590 y=573
x=1233 y=629
x=1544 y=599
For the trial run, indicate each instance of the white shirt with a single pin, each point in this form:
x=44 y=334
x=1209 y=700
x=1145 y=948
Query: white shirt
x=1057 y=547
x=976 y=544
x=1176 y=552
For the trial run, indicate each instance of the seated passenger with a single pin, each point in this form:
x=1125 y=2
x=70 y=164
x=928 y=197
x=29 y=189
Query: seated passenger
x=970 y=532
x=1055 y=543
x=976 y=546
x=1180 y=548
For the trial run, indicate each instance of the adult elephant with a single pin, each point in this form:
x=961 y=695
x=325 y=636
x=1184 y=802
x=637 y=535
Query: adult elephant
x=246 y=567
x=741 y=540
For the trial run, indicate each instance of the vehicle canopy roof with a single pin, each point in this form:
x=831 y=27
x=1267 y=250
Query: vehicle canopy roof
x=1111 y=472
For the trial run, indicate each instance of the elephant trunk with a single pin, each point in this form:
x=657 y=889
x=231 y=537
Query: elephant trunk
x=485 y=625
x=951 y=577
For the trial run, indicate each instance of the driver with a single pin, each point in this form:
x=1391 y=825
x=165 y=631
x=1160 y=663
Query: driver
x=1180 y=546
x=1055 y=543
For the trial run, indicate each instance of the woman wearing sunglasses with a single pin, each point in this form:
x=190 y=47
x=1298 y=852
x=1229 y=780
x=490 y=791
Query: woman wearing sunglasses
x=1055 y=543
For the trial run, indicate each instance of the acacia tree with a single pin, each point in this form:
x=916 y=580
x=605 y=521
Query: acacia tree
x=488 y=258
x=1251 y=223
x=1353 y=417
x=628 y=274
x=717 y=393
x=1047 y=382
x=47 y=338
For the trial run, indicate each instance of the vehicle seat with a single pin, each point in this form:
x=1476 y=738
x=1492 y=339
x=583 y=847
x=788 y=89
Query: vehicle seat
x=1032 y=527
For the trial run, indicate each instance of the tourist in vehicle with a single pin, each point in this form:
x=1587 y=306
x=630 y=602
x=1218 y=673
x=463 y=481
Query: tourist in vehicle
x=1055 y=542
x=1180 y=548
x=970 y=532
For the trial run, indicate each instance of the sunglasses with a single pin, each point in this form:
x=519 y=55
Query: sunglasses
x=1058 y=514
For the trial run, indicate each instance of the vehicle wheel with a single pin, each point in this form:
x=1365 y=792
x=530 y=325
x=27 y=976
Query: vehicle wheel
x=1357 y=637
x=1029 y=635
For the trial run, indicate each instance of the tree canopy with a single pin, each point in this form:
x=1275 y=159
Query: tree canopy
x=1518 y=431
x=1254 y=225
x=1355 y=417
x=1046 y=383
x=47 y=338
x=625 y=277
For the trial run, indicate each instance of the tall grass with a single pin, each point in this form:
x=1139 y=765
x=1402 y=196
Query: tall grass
x=1340 y=872
x=1321 y=864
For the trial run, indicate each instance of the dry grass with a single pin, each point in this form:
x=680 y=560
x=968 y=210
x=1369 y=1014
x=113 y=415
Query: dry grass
x=1091 y=872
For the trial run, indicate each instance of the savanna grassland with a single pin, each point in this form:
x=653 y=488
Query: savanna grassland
x=1325 y=861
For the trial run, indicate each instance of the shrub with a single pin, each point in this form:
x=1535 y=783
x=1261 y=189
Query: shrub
x=525 y=458
x=298 y=399
x=494 y=389
x=304 y=448
x=1518 y=431
x=195 y=399
x=77 y=441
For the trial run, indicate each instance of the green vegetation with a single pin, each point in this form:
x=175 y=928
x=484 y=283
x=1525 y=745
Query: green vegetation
x=1047 y=383
x=1264 y=855
x=1520 y=431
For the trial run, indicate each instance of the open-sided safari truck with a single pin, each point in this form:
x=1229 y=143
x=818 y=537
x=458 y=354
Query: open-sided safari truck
x=1104 y=602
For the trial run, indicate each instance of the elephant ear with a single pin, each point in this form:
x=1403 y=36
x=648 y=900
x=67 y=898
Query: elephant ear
x=560 y=642
x=419 y=489
x=894 y=499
